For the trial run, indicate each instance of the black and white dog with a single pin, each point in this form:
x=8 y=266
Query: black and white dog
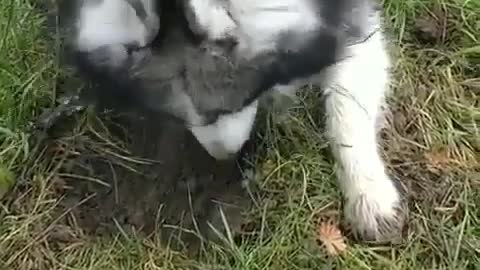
x=217 y=58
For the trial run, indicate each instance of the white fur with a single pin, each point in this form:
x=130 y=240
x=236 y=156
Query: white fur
x=354 y=100
x=261 y=22
x=212 y=17
x=110 y=22
x=227 y=135
x=256 y=25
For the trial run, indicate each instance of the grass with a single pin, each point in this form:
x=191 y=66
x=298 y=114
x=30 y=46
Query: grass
x=433 y=146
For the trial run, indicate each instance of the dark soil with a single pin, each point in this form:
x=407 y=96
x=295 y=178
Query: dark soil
x=135 y=172
x=145 y=174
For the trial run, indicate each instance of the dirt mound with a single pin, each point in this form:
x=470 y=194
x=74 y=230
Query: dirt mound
x=132 y=172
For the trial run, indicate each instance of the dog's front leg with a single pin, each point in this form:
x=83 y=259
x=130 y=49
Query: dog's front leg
x=354 y=106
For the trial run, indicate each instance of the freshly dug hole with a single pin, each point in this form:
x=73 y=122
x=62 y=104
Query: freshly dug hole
x=148 y=174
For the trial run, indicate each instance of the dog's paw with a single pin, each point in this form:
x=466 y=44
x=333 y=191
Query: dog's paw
x=378 y=214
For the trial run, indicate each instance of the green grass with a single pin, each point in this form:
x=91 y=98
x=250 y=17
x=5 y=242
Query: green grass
x=433 y=146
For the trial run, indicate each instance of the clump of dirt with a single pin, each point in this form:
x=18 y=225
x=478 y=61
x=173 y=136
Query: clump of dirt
x=433 y=27
x=145 y=173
